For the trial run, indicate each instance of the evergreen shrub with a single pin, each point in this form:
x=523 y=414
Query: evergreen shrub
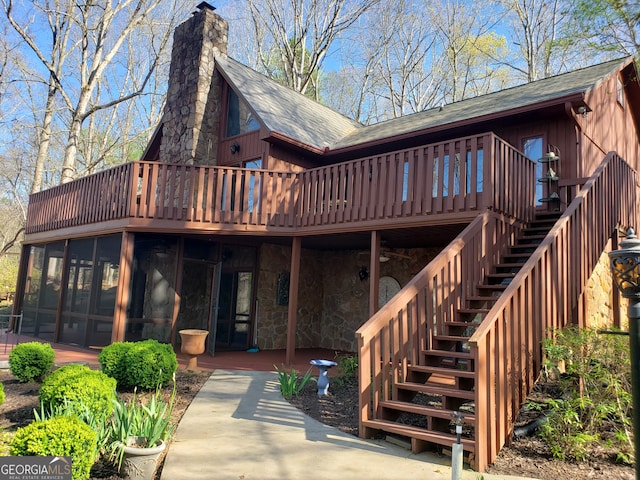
x=146 y=365
x=78 y=384
x=63 y=436
x=31 y=361
x=113 y=360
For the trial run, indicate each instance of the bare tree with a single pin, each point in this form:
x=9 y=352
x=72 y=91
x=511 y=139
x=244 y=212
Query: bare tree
x=293 y=37
x=536 y=31
x=82 y=57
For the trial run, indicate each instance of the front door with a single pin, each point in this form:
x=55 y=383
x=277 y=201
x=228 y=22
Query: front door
x=233 y=328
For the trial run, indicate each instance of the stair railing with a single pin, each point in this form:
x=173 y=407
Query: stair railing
x=402 y=329
x=543 y=296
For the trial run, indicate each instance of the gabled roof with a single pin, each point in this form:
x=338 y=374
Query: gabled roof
x=285 y=112
x=549 y=90
x=293 y=117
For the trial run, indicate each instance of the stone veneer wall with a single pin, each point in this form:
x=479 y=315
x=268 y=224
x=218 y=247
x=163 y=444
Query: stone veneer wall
x=272 y=318
x=333 y=302
x=192 y=113
x=599 y=294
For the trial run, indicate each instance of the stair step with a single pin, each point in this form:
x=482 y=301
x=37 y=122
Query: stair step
x=450 y=338
x=442 y=371
x=439 y=438
x=518 y=255
x=481 y=298
x=499 y=276
x=431 y=389
x=496 y=287
x=469 y=418
x=472 y=311
x=447 y=353
x=513 y=267
x=529 y=239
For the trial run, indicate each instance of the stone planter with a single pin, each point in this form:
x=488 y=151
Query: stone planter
x=140 y=463
x=193 y=344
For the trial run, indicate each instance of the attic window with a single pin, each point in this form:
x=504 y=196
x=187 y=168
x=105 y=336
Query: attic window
x=239 y=117
x=620 y=92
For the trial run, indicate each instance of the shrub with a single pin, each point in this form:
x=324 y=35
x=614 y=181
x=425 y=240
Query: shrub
x=31 y=361
x=145 y=364
x=1 y=393
x=348 y=368
x=79 y=385
x=151 y=364
x=594 y=376
x=63 y=436
x=113 y=360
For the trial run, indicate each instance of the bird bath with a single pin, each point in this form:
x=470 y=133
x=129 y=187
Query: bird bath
x=323 y=378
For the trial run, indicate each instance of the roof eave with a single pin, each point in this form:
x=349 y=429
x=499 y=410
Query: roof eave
x=296 y=143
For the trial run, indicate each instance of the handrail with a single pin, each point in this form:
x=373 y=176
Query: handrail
x=544 y=296
x=462 y=175
x=397 y=334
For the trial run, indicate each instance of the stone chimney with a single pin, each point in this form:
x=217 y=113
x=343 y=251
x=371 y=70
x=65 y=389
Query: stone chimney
x=190 y=123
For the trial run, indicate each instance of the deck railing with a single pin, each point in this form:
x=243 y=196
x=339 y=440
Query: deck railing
x=405 y=326
x=544 y=295
x=462 y=175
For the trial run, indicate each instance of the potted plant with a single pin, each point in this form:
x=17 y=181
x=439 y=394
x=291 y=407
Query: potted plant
x=138 y=432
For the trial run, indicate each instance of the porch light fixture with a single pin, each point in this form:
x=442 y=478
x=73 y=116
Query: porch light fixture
x=383 y=258
x=235 y=148
x=625 y=269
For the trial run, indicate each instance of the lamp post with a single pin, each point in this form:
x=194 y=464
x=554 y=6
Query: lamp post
x=625 y=268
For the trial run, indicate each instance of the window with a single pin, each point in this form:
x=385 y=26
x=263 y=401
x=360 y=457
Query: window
x=620 y=92
x=239 y=118
x=533 y=149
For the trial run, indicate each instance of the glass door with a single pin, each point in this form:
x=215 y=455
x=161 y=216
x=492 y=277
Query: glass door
x=234 y=310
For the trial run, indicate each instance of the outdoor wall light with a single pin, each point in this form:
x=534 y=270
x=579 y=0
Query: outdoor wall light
x=625 y=269
x=363 y=274
x=625 y=266
x=235 y=148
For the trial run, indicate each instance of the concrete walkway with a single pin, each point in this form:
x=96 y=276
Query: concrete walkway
x=239 y=427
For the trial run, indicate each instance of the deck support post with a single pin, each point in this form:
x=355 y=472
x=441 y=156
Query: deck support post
x=374 y=272
x=124 y=280
x=292 y=313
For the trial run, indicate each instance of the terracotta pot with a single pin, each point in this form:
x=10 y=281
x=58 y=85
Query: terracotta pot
x=140 y=463
x=193 y=344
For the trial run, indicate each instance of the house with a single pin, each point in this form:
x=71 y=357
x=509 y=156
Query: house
x=441 y=246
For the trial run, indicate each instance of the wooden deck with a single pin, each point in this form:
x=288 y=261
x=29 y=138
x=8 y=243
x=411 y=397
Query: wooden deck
x=432 y=184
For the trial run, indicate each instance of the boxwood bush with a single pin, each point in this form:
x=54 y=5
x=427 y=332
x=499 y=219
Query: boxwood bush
x=80 y=385
x=63 y=436
x=146 y=365
x=31 y=361
x=113 y=360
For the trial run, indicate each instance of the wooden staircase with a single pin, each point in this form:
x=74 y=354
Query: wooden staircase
x=422 y=404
